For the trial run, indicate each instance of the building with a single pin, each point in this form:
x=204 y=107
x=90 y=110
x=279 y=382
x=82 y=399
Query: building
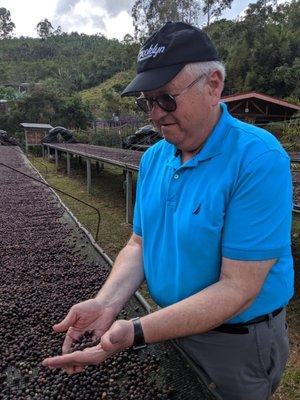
x=4 y=106
x=34 y=133
x=259 y=108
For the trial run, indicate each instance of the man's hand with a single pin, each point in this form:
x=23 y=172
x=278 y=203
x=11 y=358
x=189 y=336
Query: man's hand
x=90 y=315
x=119 y=337
x=76 y=361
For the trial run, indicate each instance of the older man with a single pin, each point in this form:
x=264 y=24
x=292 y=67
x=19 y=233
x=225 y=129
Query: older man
x=211 y=231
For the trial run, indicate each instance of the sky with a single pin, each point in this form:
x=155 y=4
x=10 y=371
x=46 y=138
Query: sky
x=109 y=17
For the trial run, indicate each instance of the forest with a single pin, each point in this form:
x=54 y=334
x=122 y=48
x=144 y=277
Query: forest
x=65 y=71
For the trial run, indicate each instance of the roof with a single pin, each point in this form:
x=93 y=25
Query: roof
x=255 y=95
x=37 y=126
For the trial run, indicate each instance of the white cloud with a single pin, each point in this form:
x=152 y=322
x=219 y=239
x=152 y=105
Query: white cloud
x=119 y=26
x=27 y=14
x=94 y=16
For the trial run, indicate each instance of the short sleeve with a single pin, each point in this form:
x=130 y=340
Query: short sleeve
x=258 y=217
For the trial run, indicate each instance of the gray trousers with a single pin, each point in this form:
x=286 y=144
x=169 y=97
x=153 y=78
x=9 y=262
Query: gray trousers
x=241 y=366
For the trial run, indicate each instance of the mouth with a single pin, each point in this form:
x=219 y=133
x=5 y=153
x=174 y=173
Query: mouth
x=163 y=125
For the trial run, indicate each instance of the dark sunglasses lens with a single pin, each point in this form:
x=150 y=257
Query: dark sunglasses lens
x=166 y=102
x=143 y=104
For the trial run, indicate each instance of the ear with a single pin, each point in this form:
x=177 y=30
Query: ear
x=215 y=86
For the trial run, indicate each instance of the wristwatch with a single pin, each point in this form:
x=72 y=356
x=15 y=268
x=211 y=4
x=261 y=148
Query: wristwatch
x=139 y=340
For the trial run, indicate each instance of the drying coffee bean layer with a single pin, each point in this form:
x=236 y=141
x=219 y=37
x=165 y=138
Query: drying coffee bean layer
x=129 y=157
x=46 y=266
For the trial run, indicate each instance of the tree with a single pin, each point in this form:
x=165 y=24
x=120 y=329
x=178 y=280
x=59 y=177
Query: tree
x=263 y=51
x=9 y=93
x=45 y=29
x=214 y=8
x=6 y=25
x=75 y=113
x=150 y=15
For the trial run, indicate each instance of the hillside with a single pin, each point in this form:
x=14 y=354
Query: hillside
x=67 y=62
x=105 y=99
x=69 y=72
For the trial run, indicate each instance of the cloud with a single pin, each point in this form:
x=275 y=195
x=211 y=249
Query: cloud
x=64 y=7
x=77 y=14
x=97 y=21
x=112 y=8
x=76 y=22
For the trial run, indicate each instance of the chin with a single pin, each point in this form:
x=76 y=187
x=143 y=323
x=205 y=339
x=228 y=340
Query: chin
x=173 y=140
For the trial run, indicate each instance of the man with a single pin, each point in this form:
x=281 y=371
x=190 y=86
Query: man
x=211 y=231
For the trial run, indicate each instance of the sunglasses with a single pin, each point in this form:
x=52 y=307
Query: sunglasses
x=166 y=102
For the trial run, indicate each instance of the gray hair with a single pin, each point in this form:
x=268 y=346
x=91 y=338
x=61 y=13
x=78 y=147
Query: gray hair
x=197 y=68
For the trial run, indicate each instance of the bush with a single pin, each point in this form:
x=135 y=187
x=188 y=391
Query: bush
x=287 y=132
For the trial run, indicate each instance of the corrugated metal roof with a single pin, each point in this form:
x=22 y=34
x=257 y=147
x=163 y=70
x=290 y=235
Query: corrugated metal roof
x=256 y=95
x=39 y=126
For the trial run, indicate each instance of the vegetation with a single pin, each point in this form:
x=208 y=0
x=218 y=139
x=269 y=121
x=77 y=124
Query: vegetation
x=149 y=15
x=46 y=106
x=6 y=24
x=107 y=195
x=260 y=51
x=67 y=62
x=76 y=78
x=45 y=29
x=105 y=98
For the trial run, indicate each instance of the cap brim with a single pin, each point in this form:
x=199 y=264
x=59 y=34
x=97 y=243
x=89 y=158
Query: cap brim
x=152 y=79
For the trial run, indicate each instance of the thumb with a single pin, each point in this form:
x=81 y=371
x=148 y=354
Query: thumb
x=65 y=324
x=116 y=335
x=117 y=338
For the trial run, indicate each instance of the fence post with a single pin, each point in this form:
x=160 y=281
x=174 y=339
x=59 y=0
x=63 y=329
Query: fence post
x=56 y=158
x=68 y=164
x=88 y=175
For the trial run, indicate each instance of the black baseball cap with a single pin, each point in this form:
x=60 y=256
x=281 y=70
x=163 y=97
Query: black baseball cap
x=166 y=52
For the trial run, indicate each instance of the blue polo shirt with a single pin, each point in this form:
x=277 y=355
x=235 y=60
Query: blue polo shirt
x=233 y=199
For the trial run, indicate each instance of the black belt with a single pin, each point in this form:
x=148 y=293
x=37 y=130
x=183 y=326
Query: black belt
x=242 y=328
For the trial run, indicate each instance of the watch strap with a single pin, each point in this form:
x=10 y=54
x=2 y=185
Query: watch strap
x=139 y=339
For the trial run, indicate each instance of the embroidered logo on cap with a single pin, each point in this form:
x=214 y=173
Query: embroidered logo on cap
x=152 y=51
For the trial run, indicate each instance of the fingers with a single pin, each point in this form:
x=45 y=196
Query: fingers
x=78 y=369
x=74 y=370
x=65 y=361
x=76 y=361
x=95 y=337
x=71 y=337
x=68 y=321
x=67 y=344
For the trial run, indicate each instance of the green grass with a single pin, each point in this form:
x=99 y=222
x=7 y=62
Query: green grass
x=107 y=195
x=290 y=385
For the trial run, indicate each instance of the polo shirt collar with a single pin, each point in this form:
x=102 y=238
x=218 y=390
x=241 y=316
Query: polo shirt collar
x=212 y=147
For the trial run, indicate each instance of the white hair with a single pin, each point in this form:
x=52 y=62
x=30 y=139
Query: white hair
x=198 y=68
